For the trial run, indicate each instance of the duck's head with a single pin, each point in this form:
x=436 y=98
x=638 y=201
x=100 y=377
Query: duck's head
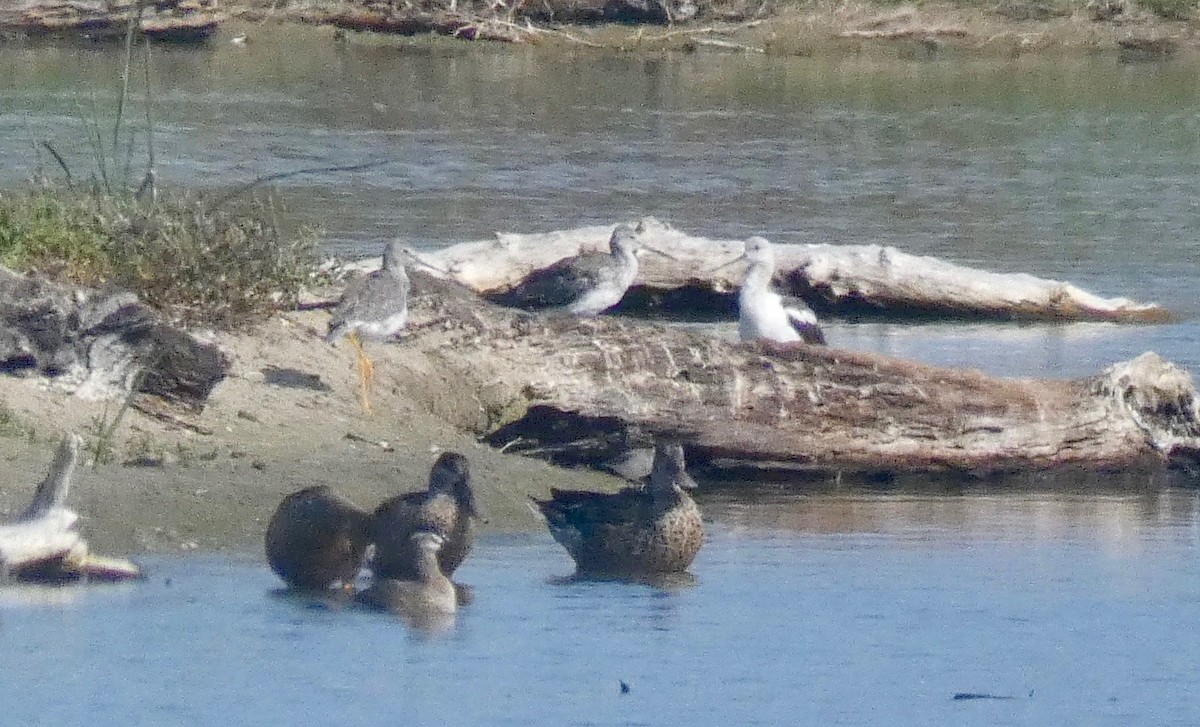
x=428 y=541
x=669 y=468
x=451 y=475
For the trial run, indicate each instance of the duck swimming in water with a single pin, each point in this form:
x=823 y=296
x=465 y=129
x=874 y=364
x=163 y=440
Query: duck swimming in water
x=637 y=531
x=429 y=593
x=316 y=539
x=447 y=508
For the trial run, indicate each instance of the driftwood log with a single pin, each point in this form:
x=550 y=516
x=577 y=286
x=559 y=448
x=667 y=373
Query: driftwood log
x=181 y=21
x=44 y=544
x=578 y=390
x=843 y=279
x=101 y=343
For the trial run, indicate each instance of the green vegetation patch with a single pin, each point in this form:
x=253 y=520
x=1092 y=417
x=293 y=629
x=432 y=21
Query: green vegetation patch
x=225 y=266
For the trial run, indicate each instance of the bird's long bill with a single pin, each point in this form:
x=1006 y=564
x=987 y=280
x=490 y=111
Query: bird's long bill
x=412 y=258
x=724 y=265
x=663 y=253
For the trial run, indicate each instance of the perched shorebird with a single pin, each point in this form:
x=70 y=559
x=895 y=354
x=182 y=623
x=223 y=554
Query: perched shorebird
x=317 y=538
x=584 y=285
x=761 y=312
x=428 y=593
x=446 y=508
x=374 y=306
x=637 y=531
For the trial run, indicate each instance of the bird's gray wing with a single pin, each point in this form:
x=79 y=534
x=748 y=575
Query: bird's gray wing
x=560 y=284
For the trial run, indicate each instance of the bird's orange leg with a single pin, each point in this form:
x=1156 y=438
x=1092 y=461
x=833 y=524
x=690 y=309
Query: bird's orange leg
x=366 y=372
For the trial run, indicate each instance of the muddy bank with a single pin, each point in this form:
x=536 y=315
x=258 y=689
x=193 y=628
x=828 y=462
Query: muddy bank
x=286 y=418
x=1136 y=30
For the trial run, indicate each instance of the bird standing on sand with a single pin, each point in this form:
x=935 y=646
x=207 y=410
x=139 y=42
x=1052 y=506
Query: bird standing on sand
x=374 y=306
x=428 y=593
x=584 y=285
x=446 y=508
x=761 y=312
x=637 y=531
x=317 y=538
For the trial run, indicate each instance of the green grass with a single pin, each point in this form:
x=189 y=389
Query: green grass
x=11 y=425
x=1171 y=9
x=224 y=267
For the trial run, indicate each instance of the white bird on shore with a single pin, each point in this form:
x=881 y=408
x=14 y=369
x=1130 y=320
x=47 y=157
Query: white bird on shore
x=375 y=306
x=761 y=312
x=584 y=285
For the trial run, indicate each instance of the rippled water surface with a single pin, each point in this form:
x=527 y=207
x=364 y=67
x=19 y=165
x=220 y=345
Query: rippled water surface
x=843 y=609
x=1081 y=169
x=830 y=608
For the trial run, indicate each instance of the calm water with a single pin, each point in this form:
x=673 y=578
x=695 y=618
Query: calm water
x=812 y=609
x=1082 y=169
x=845 y=610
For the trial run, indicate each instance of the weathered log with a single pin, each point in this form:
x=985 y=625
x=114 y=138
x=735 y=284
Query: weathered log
x=844 y=279
x=101 y=343
x=43 y=544
x=578 y=388
x=46 y=532
x=181 y=21
x=382 y=18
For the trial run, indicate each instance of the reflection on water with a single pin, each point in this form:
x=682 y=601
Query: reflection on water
x=1080 y=169
x=828 y=609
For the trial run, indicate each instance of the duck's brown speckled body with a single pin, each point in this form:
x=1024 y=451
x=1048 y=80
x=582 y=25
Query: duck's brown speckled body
x=446 y=508
x=316 y=539
x=655 y=529
x=429 y=593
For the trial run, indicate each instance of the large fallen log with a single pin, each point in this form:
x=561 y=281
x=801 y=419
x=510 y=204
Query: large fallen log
x=180 y=21
x=101 y=343
x=44 y=544
x=576 y=389
x=843 y=279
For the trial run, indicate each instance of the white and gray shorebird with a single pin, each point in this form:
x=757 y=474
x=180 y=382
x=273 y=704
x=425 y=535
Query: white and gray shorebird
x=761 y=311
x=375 y=306
x=584 y=285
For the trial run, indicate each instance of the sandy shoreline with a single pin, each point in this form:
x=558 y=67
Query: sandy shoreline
x=215 y=491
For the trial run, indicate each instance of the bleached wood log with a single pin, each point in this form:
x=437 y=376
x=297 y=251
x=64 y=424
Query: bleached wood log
x=574 y=388
x=46 y=531
x=44 y=543
x=839 y=278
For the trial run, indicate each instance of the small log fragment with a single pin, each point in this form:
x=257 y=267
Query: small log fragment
x=180 y=21
x=101 y=343
x=380 y=18
x=572 y=387
x=43 y=544
x=840 y=279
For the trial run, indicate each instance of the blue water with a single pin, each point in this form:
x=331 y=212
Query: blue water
x=813 y=609
x=831 y=610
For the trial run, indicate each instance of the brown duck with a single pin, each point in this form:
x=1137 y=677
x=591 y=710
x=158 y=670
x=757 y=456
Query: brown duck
x=317 y=538
x=446 y=508
x=639 y=530
x=430 y=593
